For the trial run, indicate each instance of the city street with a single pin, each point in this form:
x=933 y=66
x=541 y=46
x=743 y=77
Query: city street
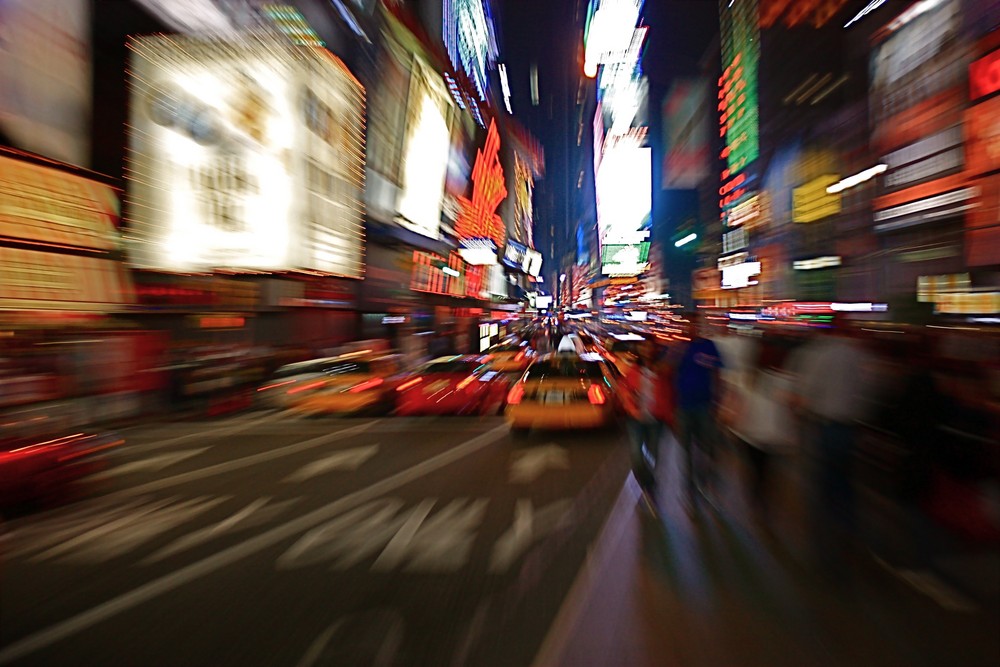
x=268 y=540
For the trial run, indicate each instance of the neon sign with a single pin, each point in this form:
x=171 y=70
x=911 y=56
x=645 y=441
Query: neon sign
x=984 y=76
x=477 y=218
x=738 y=107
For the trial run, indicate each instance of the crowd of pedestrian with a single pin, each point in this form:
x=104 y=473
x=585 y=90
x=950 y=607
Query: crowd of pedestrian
x=854 y=410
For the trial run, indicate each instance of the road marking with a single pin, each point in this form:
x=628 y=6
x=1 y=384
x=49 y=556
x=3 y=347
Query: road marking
x=236 y=464
x=595 y=567
x=117 y=537
x=398 y=534
x=153 y=463
x=238 y=552
x=528 y=464
x=255 y=514
x=395 y=551
x=349 y=459
x=315 y=649
x=527 y=528
x=442 y=544
x=226 y=429
x=35 y=537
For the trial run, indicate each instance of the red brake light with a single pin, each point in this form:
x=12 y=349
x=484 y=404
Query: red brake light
x=409 y=383
x=520 y=355
x=595 y=395
x=515 y=395
x=367 y=384
x=465 y=383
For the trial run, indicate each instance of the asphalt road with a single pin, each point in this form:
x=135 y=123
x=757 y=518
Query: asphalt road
x=266 y=540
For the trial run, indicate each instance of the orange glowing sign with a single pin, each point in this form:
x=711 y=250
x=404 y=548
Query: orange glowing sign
x=477 y=218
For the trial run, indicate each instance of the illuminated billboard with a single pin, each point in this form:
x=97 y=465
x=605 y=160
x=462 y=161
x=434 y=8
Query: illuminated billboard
x=738 y=105
x=470 y=38
x=244 y=155
x=625 y=260
x=812 y=202
x=425 y=160
x=624 y=191
x=45 y=77
x=481 y=232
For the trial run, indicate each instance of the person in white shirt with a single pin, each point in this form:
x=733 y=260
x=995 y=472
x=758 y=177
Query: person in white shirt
x=833 y=394
x=766 y=425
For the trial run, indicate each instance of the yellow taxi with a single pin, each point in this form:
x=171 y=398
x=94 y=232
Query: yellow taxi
x=350 y=383
x=510 y=357
x=565 y=391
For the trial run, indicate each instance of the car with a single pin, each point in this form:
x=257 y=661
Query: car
x=622 y=350
x=350 y=383
x=40 y=460
x=565 y=391
x=280 y=390
x=457 y=385
x=510 y=357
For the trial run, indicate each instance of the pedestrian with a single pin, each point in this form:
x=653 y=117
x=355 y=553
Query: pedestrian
x=765 y=424
x=698 y=391
x=648 y=404
x=833 y=386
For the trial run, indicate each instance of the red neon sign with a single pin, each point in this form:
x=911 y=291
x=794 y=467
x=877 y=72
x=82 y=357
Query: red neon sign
x=477 y=218
x=984 y=75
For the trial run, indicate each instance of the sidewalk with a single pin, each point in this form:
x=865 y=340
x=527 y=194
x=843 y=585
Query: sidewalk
x=706 y=587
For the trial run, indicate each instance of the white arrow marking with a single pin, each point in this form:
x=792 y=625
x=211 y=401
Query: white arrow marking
x=530 y=463
x=123 y=534
x=255 y=514
x=526 y=529
x=153 y=463
x=349 y=459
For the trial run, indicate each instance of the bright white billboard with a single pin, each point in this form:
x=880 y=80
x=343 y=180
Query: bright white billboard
x=427 y=143
x=244 y=155
x=624 y=194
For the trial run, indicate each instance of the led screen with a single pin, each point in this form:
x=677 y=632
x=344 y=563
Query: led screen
x=624 y=190
x=425 y=165
x=738 y=85
x=625 y=259
x=245 y=155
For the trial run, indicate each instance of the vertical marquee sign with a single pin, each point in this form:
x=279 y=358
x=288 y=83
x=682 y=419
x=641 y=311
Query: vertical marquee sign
x=480 y=230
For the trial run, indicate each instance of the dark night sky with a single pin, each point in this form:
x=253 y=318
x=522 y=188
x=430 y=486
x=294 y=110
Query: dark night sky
x=550 y=33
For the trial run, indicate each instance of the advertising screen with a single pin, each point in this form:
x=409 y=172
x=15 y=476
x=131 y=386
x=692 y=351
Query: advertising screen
x=624 y=190
x=45 y=77
x=625 y=260
x=425 y=161
x=738 y=103
x=515 y=255
x=245 y=155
